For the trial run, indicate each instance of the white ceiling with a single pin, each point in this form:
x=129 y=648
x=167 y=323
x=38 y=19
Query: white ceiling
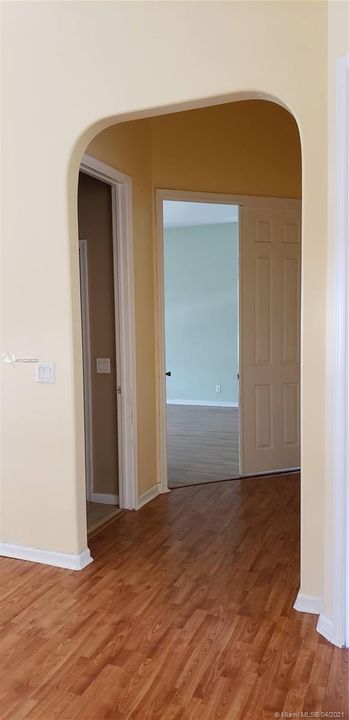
x=184 y=214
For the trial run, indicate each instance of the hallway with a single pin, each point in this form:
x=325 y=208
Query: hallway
x=185 y=614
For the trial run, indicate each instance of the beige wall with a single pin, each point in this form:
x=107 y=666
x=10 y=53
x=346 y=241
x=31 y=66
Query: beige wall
x=249 y=147
x=95 y=226
x=121 y=61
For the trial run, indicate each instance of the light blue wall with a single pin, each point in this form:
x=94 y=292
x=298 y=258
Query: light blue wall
x=201 y=309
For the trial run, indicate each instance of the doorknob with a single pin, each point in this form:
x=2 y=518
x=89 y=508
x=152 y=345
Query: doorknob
x=169 y=373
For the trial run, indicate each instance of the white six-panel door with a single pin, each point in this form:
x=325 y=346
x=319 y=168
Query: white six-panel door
x=270 y=255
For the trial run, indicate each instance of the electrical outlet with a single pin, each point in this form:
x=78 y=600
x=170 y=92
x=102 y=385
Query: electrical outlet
x=103 y=365
x=218 y=388
x=45 y=372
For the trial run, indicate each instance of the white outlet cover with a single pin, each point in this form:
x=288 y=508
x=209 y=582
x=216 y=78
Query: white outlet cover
x=45 y=372
x=103 y=365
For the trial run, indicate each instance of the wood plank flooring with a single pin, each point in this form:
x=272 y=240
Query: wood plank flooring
x=202 y=444
x=185 y=614
x=98 y=513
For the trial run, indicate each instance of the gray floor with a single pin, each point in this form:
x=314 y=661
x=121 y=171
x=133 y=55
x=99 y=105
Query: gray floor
x=202 y=444
x=98 y=513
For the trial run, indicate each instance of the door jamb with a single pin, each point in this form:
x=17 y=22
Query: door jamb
x=191 y=196
x=85 y=322
x=121 y=193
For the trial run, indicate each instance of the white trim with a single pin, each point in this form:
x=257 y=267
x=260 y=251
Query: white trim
x=240 y=374
x=160 y=196
x=308 y=603
x=226 y=199
x=98 y=169
x=148 y=495
x=117 y=231
x=336 y=566
x=204 y=403
x=69 y=561
x=125 y=321
x=105 y=498
x=86 y=355
x=326 y=628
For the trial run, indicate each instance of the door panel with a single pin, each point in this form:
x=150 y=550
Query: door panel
x=263 y=419
x=270 y=338
x=262 y=310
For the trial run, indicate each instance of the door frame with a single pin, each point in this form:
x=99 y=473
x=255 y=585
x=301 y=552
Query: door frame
x=86 y=355
x=123 y=267
x=161 y=195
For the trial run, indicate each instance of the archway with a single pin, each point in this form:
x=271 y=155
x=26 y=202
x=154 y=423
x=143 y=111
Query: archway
x=263 y=132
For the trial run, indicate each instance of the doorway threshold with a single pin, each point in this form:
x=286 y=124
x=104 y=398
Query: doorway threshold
x=257 y=476
x=97 y=524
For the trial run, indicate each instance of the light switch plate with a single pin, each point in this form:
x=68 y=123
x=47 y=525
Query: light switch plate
x=103 y=365
x=45 y=372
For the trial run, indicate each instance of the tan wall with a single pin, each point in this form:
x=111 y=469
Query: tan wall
x=147 y=58
x=95 y=226
x=249 y=147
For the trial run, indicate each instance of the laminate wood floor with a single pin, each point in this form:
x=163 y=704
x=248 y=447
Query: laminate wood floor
x=202 y=444
x=185 y=614
x=98 y=513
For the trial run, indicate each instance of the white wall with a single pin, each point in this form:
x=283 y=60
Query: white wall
x=338 y=47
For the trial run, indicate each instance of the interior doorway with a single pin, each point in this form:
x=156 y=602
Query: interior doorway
x=100 y=337
x=252 y=297
x=110 y=302
x=201 y=294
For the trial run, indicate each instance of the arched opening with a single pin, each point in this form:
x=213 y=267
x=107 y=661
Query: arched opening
x=233 y=566
x=245 y=149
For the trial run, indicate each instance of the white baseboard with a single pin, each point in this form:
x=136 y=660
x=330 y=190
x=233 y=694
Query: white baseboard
x=149 y=495
x=326 y=628
x=105 y=498
x=308 y=603
x=69 y=561
x=313 y=604
x=205 y=403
